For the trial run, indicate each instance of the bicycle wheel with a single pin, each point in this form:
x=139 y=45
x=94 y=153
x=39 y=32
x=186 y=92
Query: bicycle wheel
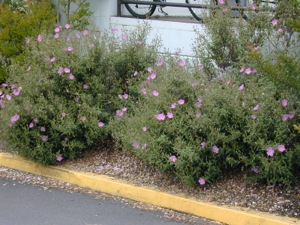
x=140 y=11
x=200 y=13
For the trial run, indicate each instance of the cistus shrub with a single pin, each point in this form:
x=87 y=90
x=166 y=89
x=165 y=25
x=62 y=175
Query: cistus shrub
x=60 y=98
x=196 y=128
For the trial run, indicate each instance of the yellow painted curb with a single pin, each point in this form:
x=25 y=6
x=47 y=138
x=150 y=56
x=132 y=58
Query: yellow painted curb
x=227 y=215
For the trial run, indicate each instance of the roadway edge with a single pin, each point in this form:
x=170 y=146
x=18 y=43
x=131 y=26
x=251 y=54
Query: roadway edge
x=109 y=185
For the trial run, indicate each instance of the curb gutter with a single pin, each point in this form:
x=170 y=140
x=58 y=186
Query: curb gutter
x=109 y=185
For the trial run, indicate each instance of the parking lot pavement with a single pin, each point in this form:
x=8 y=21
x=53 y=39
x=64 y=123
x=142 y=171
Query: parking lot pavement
x=24 y=204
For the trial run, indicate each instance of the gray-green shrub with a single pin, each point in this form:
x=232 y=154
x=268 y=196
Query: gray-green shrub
x=61 y=97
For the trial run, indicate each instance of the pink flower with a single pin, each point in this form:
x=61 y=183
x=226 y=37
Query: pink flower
x=270 y=151
x=203 y=144
x=135 y=73
x=274 y=22
x=85 y=86
x=150 y=69
x=242 y=87
x=119 y=113
x=8 y=97
x=284 y=102
x=125 y=36
x=248 y=71
x=31 y=125
x=67 y=70
x=160 y=116
x=173 y=158
x=152 y=76
x=170 y=115
x=255 y=170
x=85 y=32
x=181 y=62
x=145 y=129
x=52 y=59
x=253 y=116
x=60 y=70
x=71 y=76
x=160 y=62
x=43 y=129
x=155 y=93
x=68 y=49
x=285 y=117
x=57 y=29
x=253 y=6
x=35 y=120
x=281 y=148
x=215 y=149
x=28 y=68
x=291 y=115
x=201 y=181
x=253 y=70
x=135 y=145
x=242 y=69
x=39 y=38
x=221 y=2
x=100 y=124
x=115 y=30
x=181 y=101
x=124 y=109
x=77 y=36
x=44 y=138
x=16 y=92
x=256 y=107
x=67 y=26
x=280 y=30
x=14 y=118
x=144 y=91
x=56 y=35
x=225 y=9
x=59 y=158
x=173 y=105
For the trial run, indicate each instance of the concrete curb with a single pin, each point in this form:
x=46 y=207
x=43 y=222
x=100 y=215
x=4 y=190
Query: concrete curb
x=109 y=185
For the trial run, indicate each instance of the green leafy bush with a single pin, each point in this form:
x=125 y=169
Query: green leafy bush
x=62 y=95
x=196 y=128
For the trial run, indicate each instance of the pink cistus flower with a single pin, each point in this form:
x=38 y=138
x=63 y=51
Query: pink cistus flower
x=281 y=148
x=44 y=138
x=59 y=158
x=160 y=116
x=100 y=124
x=173 y=158
x=215 y=149
x=256 y=107
x=201 y=181
x=39 y=38
x=145 y=129
x=181 y=62
x=135 y=145
x=14 y=118
x=155 y=93
x=181 y=101
x=170 y=115
x=284 y=102
x=202 y=144
x=67 y=26
x=270 y=151
x=274 y=22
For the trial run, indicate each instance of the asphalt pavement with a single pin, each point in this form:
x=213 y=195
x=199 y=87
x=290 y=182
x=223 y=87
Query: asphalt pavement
x=24 y=204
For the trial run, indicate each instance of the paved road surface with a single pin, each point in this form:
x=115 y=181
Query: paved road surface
x=23 y=204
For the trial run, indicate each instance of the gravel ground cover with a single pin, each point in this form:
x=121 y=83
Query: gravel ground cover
x=231 y=190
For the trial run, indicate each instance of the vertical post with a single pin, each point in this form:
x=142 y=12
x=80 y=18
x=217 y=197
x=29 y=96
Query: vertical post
x=119 y=7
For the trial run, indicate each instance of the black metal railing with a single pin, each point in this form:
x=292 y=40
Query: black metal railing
x=172 y=4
